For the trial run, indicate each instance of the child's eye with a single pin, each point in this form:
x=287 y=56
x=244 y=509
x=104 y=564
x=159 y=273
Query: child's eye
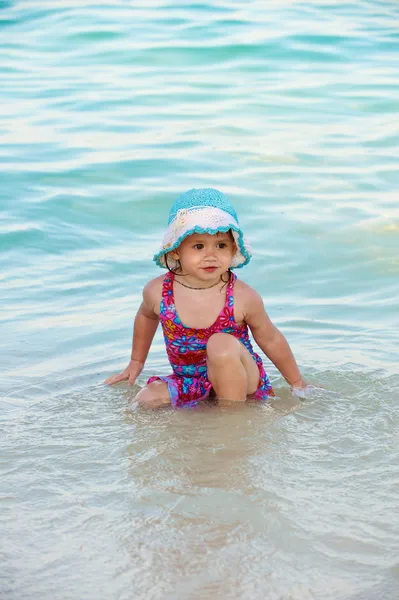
x=222 y=245
x=198 y=246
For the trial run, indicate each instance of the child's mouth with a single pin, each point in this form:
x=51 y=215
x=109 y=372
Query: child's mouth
x=210 y=269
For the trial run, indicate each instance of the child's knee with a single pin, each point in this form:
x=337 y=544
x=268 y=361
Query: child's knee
x=222 y=347
x=154 y=395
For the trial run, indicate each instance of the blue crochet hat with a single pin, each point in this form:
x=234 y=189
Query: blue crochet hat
x=203 y=210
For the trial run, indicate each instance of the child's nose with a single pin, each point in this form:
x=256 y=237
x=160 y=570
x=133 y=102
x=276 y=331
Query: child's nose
x=210 y=252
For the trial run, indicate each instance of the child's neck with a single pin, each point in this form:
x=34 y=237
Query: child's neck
x=194 y=283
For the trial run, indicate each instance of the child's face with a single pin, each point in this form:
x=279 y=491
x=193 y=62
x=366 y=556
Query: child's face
x=206 y=256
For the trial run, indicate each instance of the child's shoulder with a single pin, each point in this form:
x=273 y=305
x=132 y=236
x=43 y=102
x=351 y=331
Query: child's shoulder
x=152 y=291
x=246 y=299
x=244 y=290
x=154 y=286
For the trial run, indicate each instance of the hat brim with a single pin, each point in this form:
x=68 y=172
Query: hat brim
x=241 y=257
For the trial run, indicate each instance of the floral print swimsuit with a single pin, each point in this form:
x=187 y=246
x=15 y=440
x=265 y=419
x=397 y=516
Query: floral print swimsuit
x=186 y=349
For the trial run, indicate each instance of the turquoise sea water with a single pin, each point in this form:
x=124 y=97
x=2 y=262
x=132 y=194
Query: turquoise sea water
x=108 y=111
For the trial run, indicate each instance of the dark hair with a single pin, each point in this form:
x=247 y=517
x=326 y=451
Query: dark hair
x=171 y=270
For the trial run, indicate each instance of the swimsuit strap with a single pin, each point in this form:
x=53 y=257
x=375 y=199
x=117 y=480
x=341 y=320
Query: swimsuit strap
x=229 y=301
x=167 y=301
x=167 y=282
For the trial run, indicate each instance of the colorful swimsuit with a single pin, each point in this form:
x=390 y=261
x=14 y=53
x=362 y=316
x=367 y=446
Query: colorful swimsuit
x=186 y=349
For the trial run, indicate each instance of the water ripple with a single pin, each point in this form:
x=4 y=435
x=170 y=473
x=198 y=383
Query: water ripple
x=107 y=112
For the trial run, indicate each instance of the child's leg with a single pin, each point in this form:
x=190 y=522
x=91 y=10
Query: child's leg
x=154 y=395
x=232 y=371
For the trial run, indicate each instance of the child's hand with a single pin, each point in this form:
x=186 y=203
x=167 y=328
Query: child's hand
x=298 y=388
x=131 y=373
x=303 y=389
x=299 y=384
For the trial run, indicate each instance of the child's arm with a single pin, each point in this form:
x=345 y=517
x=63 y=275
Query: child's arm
x=145 y=326
x=270 y=339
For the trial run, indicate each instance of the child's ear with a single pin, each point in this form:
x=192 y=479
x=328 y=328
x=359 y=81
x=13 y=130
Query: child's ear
x=174 y=254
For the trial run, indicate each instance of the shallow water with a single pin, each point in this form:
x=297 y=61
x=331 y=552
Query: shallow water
x=107 y=112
